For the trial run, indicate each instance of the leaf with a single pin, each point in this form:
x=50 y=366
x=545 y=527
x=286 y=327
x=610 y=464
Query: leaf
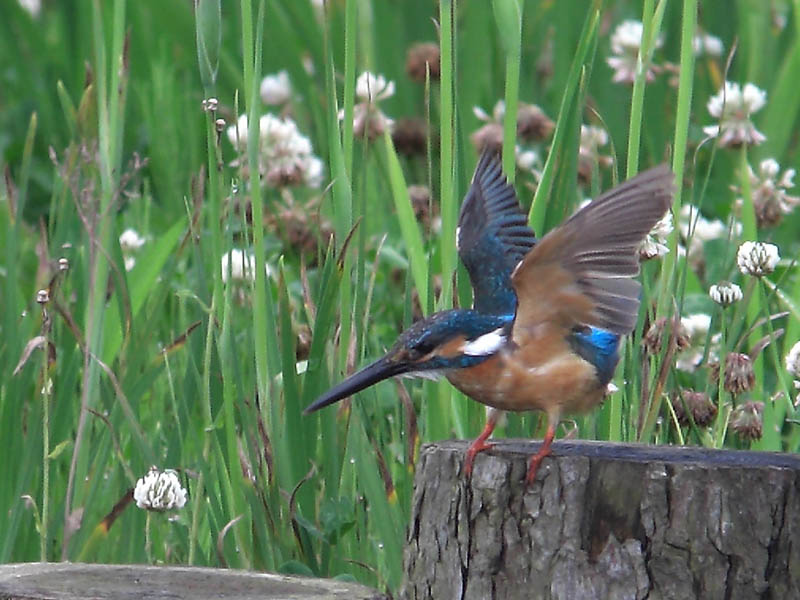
x=140 y=283
x=208 y=18
x=336 y=517
x=568 y=113
x=295 y=567
x=32 y=345
x=408 y=223
x=508 y=14
x=56 y=452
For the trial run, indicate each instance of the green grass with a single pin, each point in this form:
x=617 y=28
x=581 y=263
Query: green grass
x=166 y=364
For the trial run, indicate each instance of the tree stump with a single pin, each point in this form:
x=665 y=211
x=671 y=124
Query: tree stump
x=74 y=581
x=604 y=520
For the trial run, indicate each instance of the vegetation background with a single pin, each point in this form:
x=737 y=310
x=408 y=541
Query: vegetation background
x=105 y=125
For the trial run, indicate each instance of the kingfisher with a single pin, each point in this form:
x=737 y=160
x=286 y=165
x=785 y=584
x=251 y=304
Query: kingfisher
x=548 y=314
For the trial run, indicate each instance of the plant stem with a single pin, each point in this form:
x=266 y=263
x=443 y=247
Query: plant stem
x=720 y=425
x=148 y=542
x=774 y=414
x=45 y=452
x=637 y=95
x=750 y=232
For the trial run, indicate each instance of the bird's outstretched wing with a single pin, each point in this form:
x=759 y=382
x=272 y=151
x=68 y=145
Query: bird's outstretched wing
x=581 y=272
x=492 y=237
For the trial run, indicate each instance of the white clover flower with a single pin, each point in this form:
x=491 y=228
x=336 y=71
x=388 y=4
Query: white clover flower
x=725 y=293
x=285 y=154
x=238 y=266
x=592 y=138
x=481 y=114
x=626 y=41
x=697 y=230
x=655 y=244
x=130 y=240
x=733 y=105
x=757 y=258
x=373 y=88
x=159 y=491
x=499 y=111
x=242 y=266
x=276 y=89
x=526 y=159
x=529 y=161
x=650 y=248
x=691 y=359
x=663 y=227
x=237 y=134
x=627 y=36
x=313 y=171
x=276 y=133
x=769 y=188
x=696 y=325
x=793 y=361
x=369 y=121
x=768 y=170
x=705 y=43
x=34 y=7
x=694 y=330
x=533 y=126
x=704 y=229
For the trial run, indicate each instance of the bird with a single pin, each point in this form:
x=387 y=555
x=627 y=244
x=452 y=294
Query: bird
x=548 y=313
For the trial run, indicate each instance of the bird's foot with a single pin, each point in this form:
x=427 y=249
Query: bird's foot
x=535 y=461
x=544 y=450
x=478 y=445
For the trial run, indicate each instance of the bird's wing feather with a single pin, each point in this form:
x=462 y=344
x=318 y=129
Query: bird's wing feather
x=493 y=236
x=580 y=273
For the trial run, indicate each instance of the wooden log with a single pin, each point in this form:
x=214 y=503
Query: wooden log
x=604 y=520
x=73 y=581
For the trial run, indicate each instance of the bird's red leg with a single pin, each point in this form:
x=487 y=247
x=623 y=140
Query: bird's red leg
x=544 y=450
x=480 y=444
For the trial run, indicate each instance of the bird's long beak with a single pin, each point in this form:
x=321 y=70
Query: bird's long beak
x=381 y=369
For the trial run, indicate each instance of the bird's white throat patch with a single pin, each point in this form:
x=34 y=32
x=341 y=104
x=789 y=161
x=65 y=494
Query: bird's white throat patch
x=486 y=344
x=433 y=374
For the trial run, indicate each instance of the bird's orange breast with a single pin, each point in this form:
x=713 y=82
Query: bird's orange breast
x=546 y=375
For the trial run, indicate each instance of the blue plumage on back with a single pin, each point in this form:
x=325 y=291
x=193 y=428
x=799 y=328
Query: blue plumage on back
x=492 y=237
x=599 y=347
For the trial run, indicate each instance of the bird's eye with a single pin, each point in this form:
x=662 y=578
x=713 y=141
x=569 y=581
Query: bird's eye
x=423 y=346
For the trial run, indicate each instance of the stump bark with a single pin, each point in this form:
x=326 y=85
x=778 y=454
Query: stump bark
x=76 y=581
x=604 y=520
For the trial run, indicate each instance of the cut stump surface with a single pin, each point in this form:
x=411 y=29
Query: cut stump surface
x=73 y=581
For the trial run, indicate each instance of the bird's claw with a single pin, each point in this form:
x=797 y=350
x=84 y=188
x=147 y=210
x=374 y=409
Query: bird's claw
x=533 y=466
x=469 y=459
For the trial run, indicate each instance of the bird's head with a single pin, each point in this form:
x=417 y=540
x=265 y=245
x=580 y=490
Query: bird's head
x=452 y=339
